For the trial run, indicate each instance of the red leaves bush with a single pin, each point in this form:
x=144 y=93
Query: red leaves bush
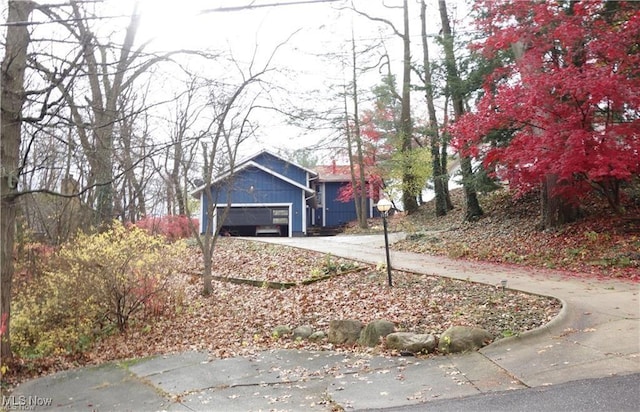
x=3 y=323
x=173 y=227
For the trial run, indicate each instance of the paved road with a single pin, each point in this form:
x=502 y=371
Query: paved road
x=618 y=393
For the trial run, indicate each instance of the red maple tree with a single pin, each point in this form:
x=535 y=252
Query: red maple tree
x=376 y=149
x=567 y=96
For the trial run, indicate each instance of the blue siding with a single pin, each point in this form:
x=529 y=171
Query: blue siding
x=281 y=167
x=337 y=212
x=254 y=186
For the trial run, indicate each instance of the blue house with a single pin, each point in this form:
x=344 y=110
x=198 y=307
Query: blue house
x=329 y=211
x=269 y=195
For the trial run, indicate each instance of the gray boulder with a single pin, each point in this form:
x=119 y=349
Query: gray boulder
x=317 y=335
x=344 y=331
x=463 y=339
x=280 y=331
x=411 y=342
x=371 y=334
x=302 y=332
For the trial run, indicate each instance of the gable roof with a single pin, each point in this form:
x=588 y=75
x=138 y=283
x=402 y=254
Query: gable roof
x=264 y=151
x=248 y=163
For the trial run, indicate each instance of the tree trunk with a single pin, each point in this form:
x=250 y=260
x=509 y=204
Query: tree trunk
x=360 y=196
x=175 y=180
x=444 y=160
x=352 y=169
x=133 y=184
x=13 y=98
x=444 y=157
x=440 y=179
x=410 y=185
x=473 y=209
x=555 y=210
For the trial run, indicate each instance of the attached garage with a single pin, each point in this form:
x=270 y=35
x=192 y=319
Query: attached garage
x=255 y=220
x=265 y=195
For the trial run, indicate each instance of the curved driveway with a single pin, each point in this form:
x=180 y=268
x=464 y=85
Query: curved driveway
x=597 y=333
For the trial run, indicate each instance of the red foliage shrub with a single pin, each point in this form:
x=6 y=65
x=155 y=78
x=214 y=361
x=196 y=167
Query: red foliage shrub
x=3 y=323
x=171 y=227
x=153 y=296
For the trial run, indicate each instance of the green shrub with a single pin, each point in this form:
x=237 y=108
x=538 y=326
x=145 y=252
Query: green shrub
x=94 y=285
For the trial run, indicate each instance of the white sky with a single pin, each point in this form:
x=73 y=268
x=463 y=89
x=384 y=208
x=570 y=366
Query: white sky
x=321 y=29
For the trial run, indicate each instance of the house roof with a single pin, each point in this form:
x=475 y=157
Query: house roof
x=248 y=163
x=334 y=173
x=312 y=172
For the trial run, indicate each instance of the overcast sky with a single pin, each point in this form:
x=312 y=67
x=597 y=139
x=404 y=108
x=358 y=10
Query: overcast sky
x=321 y=28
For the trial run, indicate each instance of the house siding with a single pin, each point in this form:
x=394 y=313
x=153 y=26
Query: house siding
x=255 y=186
x=283 y=168
x=337 y=213
x=267 y=180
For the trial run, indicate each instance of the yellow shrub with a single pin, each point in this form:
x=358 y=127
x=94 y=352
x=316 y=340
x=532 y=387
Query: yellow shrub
x=92 y=285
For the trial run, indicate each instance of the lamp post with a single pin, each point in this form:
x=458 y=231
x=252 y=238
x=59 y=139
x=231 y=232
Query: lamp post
x=384 y=205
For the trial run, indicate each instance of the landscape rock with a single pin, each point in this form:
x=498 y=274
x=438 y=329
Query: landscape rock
x=463 y=339
x=317 y=335
x=344 y=331
x=371 y=334
x=302 y=332
x=280 y=331
x=411 y=342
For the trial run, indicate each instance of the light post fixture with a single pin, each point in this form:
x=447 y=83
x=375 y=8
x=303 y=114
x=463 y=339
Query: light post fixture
x=384 y=205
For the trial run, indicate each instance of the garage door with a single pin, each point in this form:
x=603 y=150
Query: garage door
x=256 y=216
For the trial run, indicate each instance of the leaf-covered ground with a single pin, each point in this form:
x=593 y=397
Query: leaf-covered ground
x=238 y=319
x=600 y=244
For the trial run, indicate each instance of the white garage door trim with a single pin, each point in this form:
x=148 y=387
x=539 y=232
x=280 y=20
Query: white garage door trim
x=256 y=205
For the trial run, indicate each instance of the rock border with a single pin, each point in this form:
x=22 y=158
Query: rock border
x=382 y=332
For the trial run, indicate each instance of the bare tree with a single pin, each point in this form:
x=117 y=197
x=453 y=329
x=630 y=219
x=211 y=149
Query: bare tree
x=110 y=73
x=410 y=185
x=184 y=140
x=358 y=182
x=229 y=128
x=440 y=175
x=133 y=150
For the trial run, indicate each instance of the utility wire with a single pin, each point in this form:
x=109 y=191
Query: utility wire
x=36 y=23
x=259 y=6
x=206 y=11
